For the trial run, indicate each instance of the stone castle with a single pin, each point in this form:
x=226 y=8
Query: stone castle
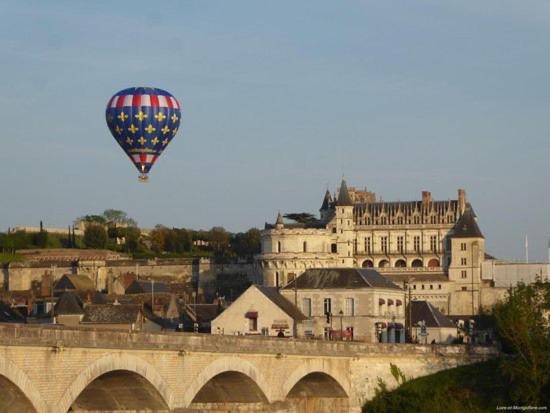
x=432 y=248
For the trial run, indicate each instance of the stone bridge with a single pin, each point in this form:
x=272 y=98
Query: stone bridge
x=51 y=369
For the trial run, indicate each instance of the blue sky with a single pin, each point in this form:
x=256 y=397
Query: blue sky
x=280 y=99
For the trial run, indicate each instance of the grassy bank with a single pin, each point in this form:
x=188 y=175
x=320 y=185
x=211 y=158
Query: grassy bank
x=478 y=387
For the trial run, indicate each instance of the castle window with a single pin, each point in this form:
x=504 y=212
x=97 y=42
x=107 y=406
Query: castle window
x=439 y=286
x=400 y=220
x=279 y=249
x=417 y=219
x=462 y=246
x=305 y=246
x=463 y=261
x=422 y=286
x=463 y=274
x=355 y=246
x=414 y=286
x=433 y=243
x=367 y=245
x=416 y=240
x=384 y=244
x=400 y=240
x=334 y=230
x=464 y=288
x=431 y=287
x=333 y=248
x=433 y=219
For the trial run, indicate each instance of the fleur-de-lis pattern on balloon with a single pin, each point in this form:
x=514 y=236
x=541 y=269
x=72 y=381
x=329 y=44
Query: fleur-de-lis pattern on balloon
x=143 y=120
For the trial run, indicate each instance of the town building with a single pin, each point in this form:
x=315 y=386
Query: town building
x=433 y=246
x=260 y=310
x=428 y=325
x=347 y=303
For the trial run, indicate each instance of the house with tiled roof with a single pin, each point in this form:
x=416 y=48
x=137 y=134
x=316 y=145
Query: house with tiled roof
x=260 y=310
x=428 y=325
x=127 y=317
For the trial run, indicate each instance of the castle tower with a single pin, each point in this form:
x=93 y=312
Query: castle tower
x=325 y=207
x=345 y=234
x=279 y=223
x=467 y=254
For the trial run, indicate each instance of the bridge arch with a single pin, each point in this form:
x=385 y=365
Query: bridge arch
x=111 y=363
x=314 y=366
x=20 y=380
x=222 y=366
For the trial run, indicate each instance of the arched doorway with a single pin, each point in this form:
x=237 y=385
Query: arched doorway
x=318 y=392
x=367 y=264
x=383 y=264
x=230 y=388
x=400 y=264
x=119 y=390
x=417 y=263
x=12 y=399
x=433 y=263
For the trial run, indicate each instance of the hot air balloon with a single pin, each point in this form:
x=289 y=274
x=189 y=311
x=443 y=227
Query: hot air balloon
x=143 y=120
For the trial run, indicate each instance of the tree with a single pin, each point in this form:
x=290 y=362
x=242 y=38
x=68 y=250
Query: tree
x=178 y=240
x=247 y=244
x=523 y=323
x=158 y=238
x=132 y=235
x=301 y=217
x=219 y=240
x=92 y=219
x=95 y=236
x=40 y=239
x=116 y=216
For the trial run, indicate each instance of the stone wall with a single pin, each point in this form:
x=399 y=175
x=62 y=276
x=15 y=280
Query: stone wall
x=20 y=276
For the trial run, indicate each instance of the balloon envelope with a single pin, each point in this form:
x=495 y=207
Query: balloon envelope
x=143 y=120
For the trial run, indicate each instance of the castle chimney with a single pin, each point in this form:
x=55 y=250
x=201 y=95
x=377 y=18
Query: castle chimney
x=426 y=197
x=461 y=201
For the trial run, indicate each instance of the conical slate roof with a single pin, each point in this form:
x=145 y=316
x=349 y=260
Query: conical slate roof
x=466 y=226
x=326 y=201
x=344 y=199
x=279 y=219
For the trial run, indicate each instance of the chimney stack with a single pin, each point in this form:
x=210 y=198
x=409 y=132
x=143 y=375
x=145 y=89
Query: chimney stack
x=461 y=201
x=426 y=197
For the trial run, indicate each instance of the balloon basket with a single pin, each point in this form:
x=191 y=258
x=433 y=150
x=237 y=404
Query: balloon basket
x=143 y=178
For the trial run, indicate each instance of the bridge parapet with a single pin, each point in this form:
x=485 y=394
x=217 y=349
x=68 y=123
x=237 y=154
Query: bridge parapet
x=59 y=337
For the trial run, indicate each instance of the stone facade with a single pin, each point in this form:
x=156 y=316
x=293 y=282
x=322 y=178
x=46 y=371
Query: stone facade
x=354 y=313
